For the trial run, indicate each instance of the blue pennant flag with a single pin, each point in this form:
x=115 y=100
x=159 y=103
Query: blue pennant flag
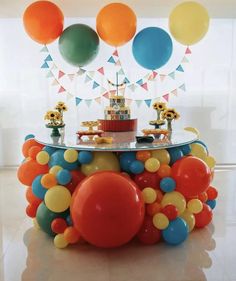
x=111 y=60
x=95 y=85
x=77 y=101
x=126 y=80
x=45 y=65
x=140 y=82
x=180 y=68
x=182 y=87
x=148 y=102
x=48 y=58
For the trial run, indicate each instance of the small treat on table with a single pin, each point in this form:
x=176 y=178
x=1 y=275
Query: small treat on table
x=90 y=132
x=148 y=132
x=101 y=140
x=144 y=139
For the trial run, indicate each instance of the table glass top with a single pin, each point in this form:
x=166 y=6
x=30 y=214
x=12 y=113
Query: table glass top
x=123 y=141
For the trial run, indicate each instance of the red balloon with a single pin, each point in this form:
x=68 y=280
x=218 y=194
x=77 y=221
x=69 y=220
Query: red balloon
x=107 y=209
x=31 y=198
x=192 y=176
x=204 y=217
x=212 y=193
x=170 y=211
x=149 y=234
x=147 y=179
x=29 y=170
x=77 y=177
x=58 y=225
x=31 y=210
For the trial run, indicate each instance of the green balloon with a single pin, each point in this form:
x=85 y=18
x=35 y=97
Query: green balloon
x=79 y=44
x=45 y=217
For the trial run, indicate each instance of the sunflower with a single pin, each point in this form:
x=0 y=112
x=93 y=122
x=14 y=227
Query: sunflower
x=160 y=106
x=61 y=106
x=170 y=114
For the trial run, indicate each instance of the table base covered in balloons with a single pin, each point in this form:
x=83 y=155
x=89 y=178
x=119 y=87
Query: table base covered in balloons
x=108 y=196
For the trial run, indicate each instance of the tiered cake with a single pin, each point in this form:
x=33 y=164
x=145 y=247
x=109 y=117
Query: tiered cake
x=117 y=109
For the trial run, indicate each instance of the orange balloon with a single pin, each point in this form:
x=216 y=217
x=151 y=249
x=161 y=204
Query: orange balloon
x=43 y=21
x=116 y=24
x=143 y=155
x=31 y=198
x=164 y=171
x=28 y=144
x=48 y=180
x=33 y=151
x=71 y=235
x=154 y=208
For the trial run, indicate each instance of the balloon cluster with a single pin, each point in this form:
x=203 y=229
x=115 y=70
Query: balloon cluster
x=108 y=198
x=116 y=25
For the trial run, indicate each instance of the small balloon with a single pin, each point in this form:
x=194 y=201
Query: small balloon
x=71 y=235
x=149 y=195
x=175 y=154
x=164 y=171
x=212 y=193
x=42 y=158
x=37 y=188
x=160 y=221
x=167 y=184
x=152 y=165
x=63 y=177
x=147 y=179
x=211 y=203
x=194 y=206
x=204 y=217
x=154 y=208
x=170 y=211
x=143 y=155
x=71 y=155
x=136 y=167
x=189 y=218
x=126 y=159
x=60 y=241
x=59 y=225
x=162 y=155
x=57 y=159
x=33 y=151
x=48 y=180
x=55 y=169
x=174 y=198
x=85 y=157
x=30 y=136
x=148 y=233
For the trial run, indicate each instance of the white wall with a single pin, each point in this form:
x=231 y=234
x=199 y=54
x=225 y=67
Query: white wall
x=208 y=104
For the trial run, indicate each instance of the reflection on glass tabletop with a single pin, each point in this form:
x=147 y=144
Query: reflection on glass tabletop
x=123 y=141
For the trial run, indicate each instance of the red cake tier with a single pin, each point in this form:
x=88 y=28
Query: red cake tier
x=118 y=125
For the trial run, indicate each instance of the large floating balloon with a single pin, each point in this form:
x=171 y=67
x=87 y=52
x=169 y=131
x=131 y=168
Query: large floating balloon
x=189 y=22
x=79 y=44
x=116 y=24
x=43 y=21
x=107 y=209
x=152 y=47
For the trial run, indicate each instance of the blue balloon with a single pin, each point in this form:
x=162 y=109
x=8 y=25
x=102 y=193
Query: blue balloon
x=126 y=159
x=50 y=150
x=85 y=157
x=30 y=136
x=63 y=177
x=211 y=203
x=57 y=158
x=186 y=149
x=176 y=232
x=175 y=154
x=37 y=188
x=167 y=184
x=152 y=47
x=136 y=167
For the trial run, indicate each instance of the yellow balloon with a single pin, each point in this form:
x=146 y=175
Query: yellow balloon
x=160 y=221
x=189 y=218
x=210 y=161
x=42 y=157
x=152 y=165
x=175 y=198
x=189 y=22
x=195 y=206
x=162 y=155
x=71 y=155
x=199 y=151
x=102 y=161
x=60 y=241
x=57 y=199
x=55 y=169
x=193 y=130
x=149 y=195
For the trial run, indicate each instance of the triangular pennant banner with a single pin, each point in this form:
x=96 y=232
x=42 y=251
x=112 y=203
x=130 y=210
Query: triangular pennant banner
x=69 y=96
x=87 y=79
x=180 y=68
x=106 y=95
x=44 y=49
x=115 y=53
x=175 y=92
x=54 y=67
x=71 y=76
x=147 y=76
x=77 y=101
x=61 y=89
x=111 y=60
x=184 y=60
x=55 y=82
x=101 y=70
x=138 y=102
x=102 y=90
x=50 y=74
x=182 y=87
x=81 y=71
x=45 y=65
x=148 y=102
x=132 y=87
x=118 y=63
x=162 y=77
x=188 y=51
x=166 y=97
x=121 y=72
x=128 y=101
x=48 y=58
x=88 y=102
x=144 y=86
x=91 y=73
x=126 y=81
x=172 y=75
x=60 y=74
x=154 y=74
x=98 y=100
x=95 y=85
x=140 y=82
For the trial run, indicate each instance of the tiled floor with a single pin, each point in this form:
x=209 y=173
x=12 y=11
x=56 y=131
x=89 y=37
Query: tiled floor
x=28 y=254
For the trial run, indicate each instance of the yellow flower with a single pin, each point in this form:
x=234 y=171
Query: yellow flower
x=47 y=115
x=170 y=114
x=61 y=106
x=160 y=106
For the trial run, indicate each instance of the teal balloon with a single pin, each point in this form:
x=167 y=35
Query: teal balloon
x=79 y=44
x=152 y=47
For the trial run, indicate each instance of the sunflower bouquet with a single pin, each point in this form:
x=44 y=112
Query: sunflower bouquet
x=159 y=107
x=169 y=115
x=55 y=117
